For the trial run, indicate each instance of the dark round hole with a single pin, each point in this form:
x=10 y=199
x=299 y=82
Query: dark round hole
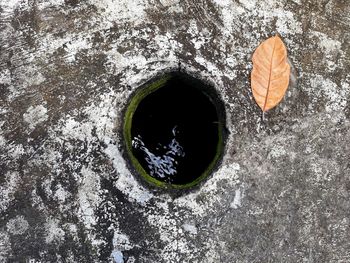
x=173 y=131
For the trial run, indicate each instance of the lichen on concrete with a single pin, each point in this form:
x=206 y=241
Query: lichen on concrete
x=67 y=70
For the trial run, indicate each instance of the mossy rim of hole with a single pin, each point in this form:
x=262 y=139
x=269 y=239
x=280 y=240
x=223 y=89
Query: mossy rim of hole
x=152 y=86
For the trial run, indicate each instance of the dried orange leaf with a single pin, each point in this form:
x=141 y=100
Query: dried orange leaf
x=270 y=75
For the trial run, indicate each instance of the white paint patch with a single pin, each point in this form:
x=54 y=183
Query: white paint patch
x=210 y=67
x=121 y=10
x=228 y=174
x=35 y=79
x=121 y=241
x=72 y=228
x=2 y=141
x=231 y=62
x=212 y=254
x=16 y=151
x=76 y=130
x=10 y=5
x=5 y=77
x=171 y=234
x=5 y=246
x=74 y=46
x=126 y=182
x=60 y=194
x=167 y=46
x=8 y=190
x=264 y=14
x=286 y=22
x=192 y=229
x=237 y=200
x=168 y=3
x=250 y=5
x=277 y=151
x=230 y=11
x=88 y=196
x=336 y=97
x=327 y=44
x=324 y=170
x=17 y=225
x=102 y=115
x=26 y=79
x=169 y=231
x=50 y=3
x=54 y=233
x=35 y=115
x=51 y=43
x=333 y=55
x=36 y=200
x=46 y=184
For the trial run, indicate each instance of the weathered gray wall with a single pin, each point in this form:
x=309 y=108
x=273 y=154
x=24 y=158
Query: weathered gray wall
x=66 y=71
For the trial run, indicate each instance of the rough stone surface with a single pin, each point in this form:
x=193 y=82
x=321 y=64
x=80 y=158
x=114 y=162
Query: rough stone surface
x=67 y=69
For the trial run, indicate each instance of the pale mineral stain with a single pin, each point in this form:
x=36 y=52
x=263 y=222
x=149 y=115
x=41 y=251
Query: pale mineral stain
x=190 y=228
x=35 y=115
x=53 y=230
x=8 y=189
x=18 y=225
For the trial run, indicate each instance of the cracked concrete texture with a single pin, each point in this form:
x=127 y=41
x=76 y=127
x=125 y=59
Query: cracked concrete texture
x=67 y=68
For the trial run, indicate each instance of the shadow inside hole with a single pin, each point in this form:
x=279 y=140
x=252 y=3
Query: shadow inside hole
x=174 y=131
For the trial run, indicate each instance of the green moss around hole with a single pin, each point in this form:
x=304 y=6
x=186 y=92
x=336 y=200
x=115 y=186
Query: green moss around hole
x=131 y=108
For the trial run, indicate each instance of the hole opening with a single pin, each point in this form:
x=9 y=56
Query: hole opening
x=174 y=131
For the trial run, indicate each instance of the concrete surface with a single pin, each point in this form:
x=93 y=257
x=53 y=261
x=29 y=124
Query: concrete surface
x=67 y=69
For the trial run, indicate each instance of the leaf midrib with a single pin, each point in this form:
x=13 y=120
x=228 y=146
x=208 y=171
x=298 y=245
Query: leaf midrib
x=270 y=74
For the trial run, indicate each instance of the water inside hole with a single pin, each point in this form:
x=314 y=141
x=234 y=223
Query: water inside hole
x=175 y=132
